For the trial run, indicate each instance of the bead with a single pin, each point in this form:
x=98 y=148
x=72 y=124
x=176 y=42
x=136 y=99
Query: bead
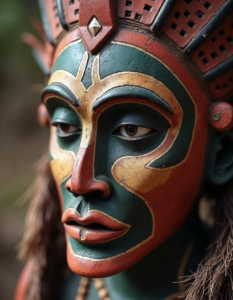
x=98 y=283
x=102 y=293
x=80 y=298
x=82 y=290
x=84 y=281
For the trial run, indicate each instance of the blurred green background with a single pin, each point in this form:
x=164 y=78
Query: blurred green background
x=22 y=140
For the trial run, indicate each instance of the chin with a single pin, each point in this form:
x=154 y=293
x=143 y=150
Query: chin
x=100 y=268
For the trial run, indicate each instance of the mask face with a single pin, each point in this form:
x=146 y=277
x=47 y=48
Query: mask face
x=127 y=148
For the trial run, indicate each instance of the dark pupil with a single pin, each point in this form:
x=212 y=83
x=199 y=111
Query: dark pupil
x=64 y=127
x=131 y=129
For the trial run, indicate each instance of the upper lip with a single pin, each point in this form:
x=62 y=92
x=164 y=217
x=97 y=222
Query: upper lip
x=113 y=228
x=92 y=217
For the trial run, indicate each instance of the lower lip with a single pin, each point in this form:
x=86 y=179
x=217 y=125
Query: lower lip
x=83 y=234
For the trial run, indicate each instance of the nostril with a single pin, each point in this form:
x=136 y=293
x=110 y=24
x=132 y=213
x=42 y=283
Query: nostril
x=69 y=190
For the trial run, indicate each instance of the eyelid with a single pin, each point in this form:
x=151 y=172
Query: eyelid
x=139 y=123
x=57 y=121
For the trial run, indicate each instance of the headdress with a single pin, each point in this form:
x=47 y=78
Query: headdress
x=199 y=32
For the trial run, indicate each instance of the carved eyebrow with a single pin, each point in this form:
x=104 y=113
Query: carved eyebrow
x=61 y=90
x=133 y=92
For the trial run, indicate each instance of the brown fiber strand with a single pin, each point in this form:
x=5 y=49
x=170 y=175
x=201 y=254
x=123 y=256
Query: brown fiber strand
x=214 y=277
x=44 y=238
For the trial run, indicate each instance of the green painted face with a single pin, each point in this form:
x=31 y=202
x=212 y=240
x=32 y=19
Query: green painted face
x=123 y=136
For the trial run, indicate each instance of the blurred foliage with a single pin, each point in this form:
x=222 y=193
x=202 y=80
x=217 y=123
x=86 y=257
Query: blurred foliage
x=22 y=140
x=18 y=70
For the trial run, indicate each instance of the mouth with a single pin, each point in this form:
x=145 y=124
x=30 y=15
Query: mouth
x=93 y=227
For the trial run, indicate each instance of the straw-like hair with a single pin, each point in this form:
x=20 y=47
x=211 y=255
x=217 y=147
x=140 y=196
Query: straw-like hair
x=44 y=238
x=214 y=277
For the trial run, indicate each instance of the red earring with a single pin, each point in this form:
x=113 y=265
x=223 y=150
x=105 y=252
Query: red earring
x=43 y=116
x=221 y=116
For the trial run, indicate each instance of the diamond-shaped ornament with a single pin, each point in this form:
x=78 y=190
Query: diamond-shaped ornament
x=94 y=27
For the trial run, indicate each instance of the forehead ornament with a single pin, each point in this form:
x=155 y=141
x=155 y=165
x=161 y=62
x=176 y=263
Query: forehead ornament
x=94 y=27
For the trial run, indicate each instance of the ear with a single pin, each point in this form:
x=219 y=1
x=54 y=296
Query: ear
x=220 y=166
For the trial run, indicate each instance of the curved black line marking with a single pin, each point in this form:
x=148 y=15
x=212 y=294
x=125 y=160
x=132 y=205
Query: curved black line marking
x=61 y=90
x=45 y=21
x=210 y=27
x=133 y=92
x=163 y=15
x=220 y=70
x=61 y=13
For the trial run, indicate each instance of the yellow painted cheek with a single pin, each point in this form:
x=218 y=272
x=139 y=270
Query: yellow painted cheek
x=62 y=167
x=134 y=173
x=63 y=161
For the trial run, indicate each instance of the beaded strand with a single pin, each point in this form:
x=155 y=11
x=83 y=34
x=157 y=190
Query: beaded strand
x=98 y=284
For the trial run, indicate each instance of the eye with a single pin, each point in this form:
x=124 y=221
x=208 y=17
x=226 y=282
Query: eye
x=65 y=129
x=131 y=132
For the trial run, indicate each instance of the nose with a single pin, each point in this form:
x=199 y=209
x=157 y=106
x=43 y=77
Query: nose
x=82 y=180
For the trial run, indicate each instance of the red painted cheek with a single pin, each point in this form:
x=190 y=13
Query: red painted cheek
x=172 y=202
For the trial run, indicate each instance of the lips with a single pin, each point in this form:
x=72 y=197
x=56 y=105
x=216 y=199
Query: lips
x=93 y=227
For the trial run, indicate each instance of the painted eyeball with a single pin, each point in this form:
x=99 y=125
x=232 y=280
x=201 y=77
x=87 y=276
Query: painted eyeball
x=130 y=130
x=133 y=131
x=65 y=129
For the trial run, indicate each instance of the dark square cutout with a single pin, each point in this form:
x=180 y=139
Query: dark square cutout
x=147 y=8
x=71 y=2
x=188 y=1
x=200 y=14
x=224 y=85
x=173 y=26
x=218 y=88
x=205 y=61
x=129 y=3
x=128 y=14
x=201 y=54
x=222 y=49
x=177 y=15
x=183 y=33
x=76 y=12
x=191 y=24
x=207 y=5
x=222 y=32
x=214 y=55
x=187 y=14
x=214 y=39
x=138 y=17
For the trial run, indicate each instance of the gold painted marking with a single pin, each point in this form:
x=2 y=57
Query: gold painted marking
x=63 y=161
x=82 y=67
x=133 y=173
x=174 y=74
